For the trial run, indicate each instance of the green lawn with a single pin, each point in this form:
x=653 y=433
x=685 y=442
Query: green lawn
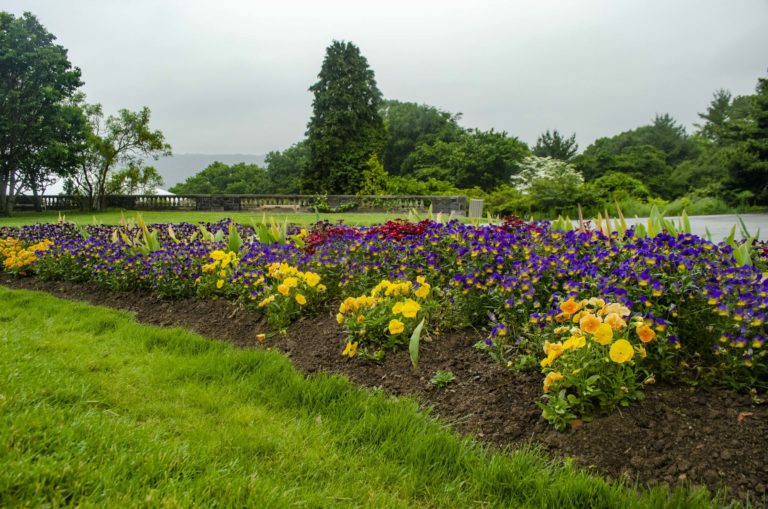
x=97 y=410
x=113 y=217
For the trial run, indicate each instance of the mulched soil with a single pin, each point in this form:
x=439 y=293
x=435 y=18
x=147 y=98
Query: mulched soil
x=677 y=435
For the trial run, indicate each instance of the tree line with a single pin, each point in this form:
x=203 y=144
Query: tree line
x=357 y=142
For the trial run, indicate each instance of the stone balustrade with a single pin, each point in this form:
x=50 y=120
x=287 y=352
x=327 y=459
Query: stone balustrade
x=261 y=202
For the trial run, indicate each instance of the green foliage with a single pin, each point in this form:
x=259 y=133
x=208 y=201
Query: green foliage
x=505 y=200
x=346 y=127
x=374 y=178
x=285 y=169
x=749 y=169
x=219 y=178
x=696 y=204
x=442 y=379
x=615 y=185
x=409 y=125
x=722 y=115
x=40 y=131
x=484 y=159
x=648 y=153
x=123 y=138
x=135 y=179
x=271 y=232
x=410 y=185
x=556 y=146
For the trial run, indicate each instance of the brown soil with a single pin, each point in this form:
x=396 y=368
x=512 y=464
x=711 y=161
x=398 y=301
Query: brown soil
x=677 y=435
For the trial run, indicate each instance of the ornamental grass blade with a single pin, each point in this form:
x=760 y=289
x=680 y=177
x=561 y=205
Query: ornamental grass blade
x=745 y=231
x=413 y=346
x=622 y=221
x=686 y=223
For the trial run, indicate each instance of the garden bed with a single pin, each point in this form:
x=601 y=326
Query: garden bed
x=677 y=434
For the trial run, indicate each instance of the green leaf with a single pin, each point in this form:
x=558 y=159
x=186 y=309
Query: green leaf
x=413 y=346
x=205 y=234
x=742 y=255
x=235 y=242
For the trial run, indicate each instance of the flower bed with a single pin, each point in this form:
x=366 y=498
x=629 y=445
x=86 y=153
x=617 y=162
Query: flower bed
x=599 y=316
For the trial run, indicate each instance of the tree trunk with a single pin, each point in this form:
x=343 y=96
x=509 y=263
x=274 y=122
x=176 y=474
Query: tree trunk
x=4 y=203
x=36 y=196
x=7 y=188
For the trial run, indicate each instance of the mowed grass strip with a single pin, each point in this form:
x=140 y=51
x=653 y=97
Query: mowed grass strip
x=97 y=410
x=113 y=217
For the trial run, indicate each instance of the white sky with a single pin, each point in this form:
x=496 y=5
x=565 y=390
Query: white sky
x=231 y=76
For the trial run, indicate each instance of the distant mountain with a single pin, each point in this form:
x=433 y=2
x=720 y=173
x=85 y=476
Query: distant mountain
x=179 y=167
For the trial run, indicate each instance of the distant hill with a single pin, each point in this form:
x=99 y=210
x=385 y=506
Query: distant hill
x=178 y=167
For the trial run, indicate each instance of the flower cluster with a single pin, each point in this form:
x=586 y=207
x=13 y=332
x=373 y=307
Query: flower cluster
x=218 y=273
x=601 y=360
x=291 y=293
x=387 y=315
x=16 y=258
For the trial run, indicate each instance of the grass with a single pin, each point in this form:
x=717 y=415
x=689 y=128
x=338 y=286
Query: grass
x=97 y=410
x=114 y=216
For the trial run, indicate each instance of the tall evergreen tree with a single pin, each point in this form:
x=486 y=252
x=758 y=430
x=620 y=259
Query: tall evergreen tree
x=556 y=146
x=346 y=127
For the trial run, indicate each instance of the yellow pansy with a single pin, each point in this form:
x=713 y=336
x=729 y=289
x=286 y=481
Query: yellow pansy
x=312 y=279
x=604 y=334
x=551 y=379
x=350 y=350
x=423 y=291
x=621 y=351
x=396 y=326
x=410 y=308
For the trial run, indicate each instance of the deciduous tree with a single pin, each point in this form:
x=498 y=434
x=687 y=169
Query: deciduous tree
x=409 y=125
x=36 y=80
x=286 y=168
x=125 y=138
x=219 y=178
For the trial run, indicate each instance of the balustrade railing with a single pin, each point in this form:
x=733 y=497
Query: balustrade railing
x=260 y=202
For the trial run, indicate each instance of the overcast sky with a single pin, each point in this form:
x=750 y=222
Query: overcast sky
x=232 y=76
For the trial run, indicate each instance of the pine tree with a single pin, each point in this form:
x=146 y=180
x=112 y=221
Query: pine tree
x=556 y=146
x=346 y=127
